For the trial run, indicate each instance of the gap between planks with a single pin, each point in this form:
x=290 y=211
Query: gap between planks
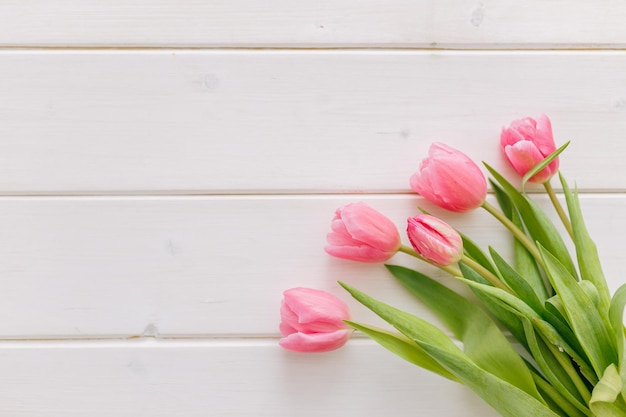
x=264 y=195
x=391 y=47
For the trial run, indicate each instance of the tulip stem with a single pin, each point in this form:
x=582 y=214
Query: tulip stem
x=519 y=234
x=487 y=274
x=456 y=272
x=447 y=268
x=548 y=390
x=409 y=251
x=559 y=208
x=566 y=364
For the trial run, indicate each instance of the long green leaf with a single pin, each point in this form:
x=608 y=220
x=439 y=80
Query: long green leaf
x=512 y=302
x=551 y=335
x=473 y=251
x=537 y=223
x=582 y=316
x=557 y=402
x=550 y=359
x=551 y=368
x=616 y=314
x=503 y=315
x=516 y=282
x=586 y=251
x=505 y=398
x=404 y=348
x=525 y=264
x=482 y=340
x=555 y=315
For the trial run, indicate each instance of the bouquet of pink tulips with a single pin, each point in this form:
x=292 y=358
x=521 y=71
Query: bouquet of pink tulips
x=568 y=329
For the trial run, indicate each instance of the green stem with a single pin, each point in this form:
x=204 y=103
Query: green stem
x=549 y=391
x=566 y=364
x=487 y=274
x=519 y=234
x=448 y=268
x=559 y=208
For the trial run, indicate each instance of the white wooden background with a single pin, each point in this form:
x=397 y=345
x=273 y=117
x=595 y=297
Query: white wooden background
x=169 y=167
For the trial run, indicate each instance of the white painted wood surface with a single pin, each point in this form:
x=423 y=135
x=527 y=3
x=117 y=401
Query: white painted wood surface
x=206 y=266
x=218 y=378
x=321 y=23
x=156 y=200
x=257 y=121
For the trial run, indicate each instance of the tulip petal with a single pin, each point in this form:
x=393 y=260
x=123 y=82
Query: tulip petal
x=286 y=329
x=369 y=226
x=315 y=310
x=315 y=342
x=434 y=240
x=507 y=137
x=523 y=156
x=543 y=138
x=450 y=179
x=289 y=319
x=360 y=253
x=337 y=239
x=521 y=137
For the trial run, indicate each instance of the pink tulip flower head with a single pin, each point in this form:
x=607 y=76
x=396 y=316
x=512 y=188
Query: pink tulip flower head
x=360 y=233
x=527 y=142
x=312 y=321
x=450 y=179
x=434 y=240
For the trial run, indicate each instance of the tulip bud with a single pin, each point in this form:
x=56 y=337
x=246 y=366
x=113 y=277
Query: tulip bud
x=527 y=142
x=312 y=321
x=360 y=233
x=434 y=240
x=450 y=179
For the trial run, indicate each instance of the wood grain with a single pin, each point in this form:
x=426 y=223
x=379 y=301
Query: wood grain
x=200 y=378
x=323 y=23
x=87 y=267
x=197 y=122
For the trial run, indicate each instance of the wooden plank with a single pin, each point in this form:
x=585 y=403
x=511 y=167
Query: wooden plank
x=99 y=122
x=207 y=266
x=322 y=23
x=221 y=378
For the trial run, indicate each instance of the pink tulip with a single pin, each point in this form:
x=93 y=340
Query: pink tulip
x=360 y=233
x=312 y=321
x=434 y=240
x=526 y=143
x=450 y=179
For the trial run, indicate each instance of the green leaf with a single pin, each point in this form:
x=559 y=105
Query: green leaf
x=505 y=398
x=616 y=315
x=404 y=348
x=581 y=315
x=544 y=163
x=483 y=341
x=504 y=201
x=512 y=302
x=537 y=223
x=555 y=315
x=552 y=336
x=473 y=251
x=525 y=264
x=586 y=251
x=557 y=402
x=605 y=393
x=503 y=315
x=516 y=282
x=551 y=368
